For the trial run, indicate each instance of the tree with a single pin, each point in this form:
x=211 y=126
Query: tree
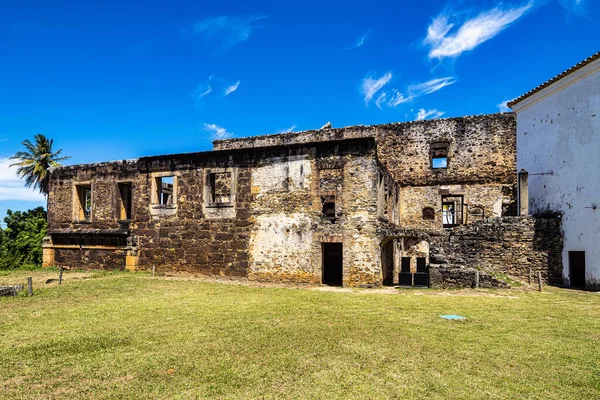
x=35 y=162
x=21 y=240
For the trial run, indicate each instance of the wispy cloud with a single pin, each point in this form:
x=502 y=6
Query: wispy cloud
x=372 y=85
x=217 y=132
x=431 y=86
x=447 y=37
x=361 y=40
x=393 y=97
x=226 y=31
x=232 y=88
x=202 y=90
x=11 y=187
x=574 y=6
x=425 y=114
x=3 y=138
x=287 y=130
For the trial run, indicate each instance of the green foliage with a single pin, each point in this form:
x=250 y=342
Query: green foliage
x=35 y=162
x=21 y=240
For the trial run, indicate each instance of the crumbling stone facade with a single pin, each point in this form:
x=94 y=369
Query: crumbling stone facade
x=356 y=206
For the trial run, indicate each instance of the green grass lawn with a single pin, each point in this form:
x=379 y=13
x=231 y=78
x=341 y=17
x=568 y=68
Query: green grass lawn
x=103 y=335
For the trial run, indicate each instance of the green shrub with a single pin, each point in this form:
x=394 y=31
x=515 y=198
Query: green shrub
x=21 y=239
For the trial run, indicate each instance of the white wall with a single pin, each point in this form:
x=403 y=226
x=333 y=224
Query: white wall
x=558 y=129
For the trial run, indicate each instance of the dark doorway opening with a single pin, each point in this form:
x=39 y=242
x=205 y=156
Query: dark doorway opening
x=577 y=269
x=405 y=278
x=332 y=264
x=421 y=276
x=387 y=262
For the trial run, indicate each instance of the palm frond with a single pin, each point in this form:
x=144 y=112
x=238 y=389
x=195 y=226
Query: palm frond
x=34 y=163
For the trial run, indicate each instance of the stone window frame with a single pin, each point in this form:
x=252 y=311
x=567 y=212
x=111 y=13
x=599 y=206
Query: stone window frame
x=233 y=187
x=439 y=149
x=76 y=202
x=157 y=209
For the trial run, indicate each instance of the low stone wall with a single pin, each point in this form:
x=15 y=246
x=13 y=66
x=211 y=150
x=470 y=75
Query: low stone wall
x=509 y=245
x=92 y=258
x=457 y=276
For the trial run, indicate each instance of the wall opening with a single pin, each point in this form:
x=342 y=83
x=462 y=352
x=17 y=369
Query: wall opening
x=84 y=202
x=387 y=263
x=164 y=190
x=328 y=209
x=421 y=276
x=428 y=214
x=219 y=187
x=405 y=278
x=452 y=210
x=439 y=155
x=124 y=201
x=332 y=264
x=577 y=269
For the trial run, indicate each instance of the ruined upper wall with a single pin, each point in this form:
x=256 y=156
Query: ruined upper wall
x=481 y=149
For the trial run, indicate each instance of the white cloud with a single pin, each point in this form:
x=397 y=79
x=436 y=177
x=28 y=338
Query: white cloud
x=287 y=130
x=13 y=188
x=217 y=132
x=393 y=98
x=430 y=86
x=504 y=106
x=232 y=88
x=424 y=114
x=370 y=85
x=361 y=41
x=202 y=90
x=226 y=31
x=444 y=41
x=380 y=100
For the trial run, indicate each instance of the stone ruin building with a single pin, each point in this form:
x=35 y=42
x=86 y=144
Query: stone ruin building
x=426 y=203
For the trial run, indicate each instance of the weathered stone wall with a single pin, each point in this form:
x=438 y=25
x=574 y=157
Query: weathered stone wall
x=495 y=200
x=266 y=218
x=510 y=245
x=93 y=258
x=481 y=150
x=481 y=161
x=103 y=178
x=270 y=227
x=288 y=195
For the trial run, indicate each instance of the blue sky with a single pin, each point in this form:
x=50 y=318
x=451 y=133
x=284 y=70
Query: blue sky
x=119 y=80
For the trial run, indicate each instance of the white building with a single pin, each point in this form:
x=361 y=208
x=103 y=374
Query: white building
x=558 y=143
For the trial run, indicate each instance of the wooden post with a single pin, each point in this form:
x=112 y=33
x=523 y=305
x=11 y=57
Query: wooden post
x=30 y=286
x=60 y=273
x=530 y=276
x=153 y=269
x=540 y=280
x=476 y=279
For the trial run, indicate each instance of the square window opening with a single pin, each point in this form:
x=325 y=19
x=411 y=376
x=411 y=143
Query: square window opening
x=328 y=209
x=165 y=190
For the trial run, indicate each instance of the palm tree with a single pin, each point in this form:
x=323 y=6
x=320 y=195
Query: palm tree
x=35 y=162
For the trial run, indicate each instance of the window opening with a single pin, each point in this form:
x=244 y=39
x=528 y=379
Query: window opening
x=124 y=201
x=84 y=195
